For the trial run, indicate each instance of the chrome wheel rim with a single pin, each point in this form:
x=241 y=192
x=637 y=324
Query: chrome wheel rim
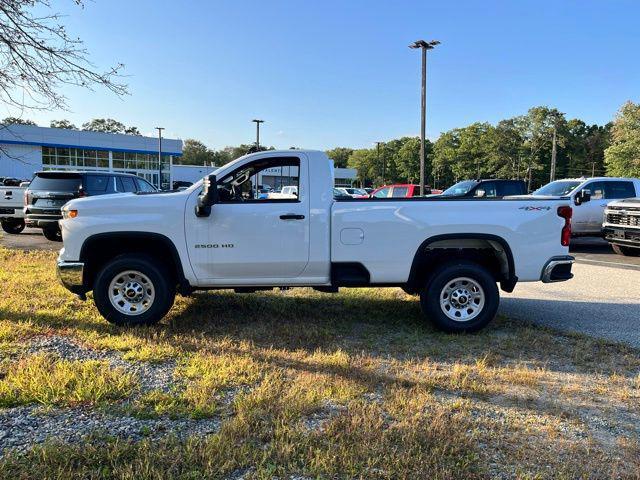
x=462 y=299
x=131 y=292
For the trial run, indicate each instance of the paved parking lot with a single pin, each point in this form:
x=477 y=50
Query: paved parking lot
x=602 y=300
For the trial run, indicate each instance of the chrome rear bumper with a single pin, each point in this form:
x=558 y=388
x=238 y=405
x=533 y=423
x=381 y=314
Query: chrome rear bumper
x=557 y=269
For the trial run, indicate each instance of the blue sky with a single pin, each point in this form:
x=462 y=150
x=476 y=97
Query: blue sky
x=339 y=73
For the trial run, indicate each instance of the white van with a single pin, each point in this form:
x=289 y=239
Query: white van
x=589 y=197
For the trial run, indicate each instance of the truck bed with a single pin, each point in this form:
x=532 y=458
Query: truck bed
x=384 y=235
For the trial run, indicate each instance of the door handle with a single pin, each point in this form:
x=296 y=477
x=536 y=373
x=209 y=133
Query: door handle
x=291 y=216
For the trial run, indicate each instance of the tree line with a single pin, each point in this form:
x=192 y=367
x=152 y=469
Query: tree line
x=515 y=148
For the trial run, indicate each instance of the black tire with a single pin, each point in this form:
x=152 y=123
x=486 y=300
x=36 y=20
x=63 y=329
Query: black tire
x=13 y=225
x=430 y=297
x=52 y=234
x=162 y=285
x=626 y=251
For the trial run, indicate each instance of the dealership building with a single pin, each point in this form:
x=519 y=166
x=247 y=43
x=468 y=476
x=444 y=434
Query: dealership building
x=26 y=149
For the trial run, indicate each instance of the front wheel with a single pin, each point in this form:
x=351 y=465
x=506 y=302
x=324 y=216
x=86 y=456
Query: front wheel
x=462 y=296
x=52 y=234
x=134 y=290
x=13 y=225
x=626 y=251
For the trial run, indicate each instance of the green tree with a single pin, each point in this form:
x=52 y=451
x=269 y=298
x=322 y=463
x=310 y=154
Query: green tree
x=364 y=161
x=109 y=125
x=17 y=121
x=340 y=156
x=66 y=124
x=622 y=157
x=195 y=152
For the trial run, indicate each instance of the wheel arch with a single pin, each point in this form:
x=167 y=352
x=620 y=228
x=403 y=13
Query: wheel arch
x=488 y=250
x=102 y=247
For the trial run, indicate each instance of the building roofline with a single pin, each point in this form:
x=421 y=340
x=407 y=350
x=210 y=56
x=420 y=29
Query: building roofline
x=86 y=147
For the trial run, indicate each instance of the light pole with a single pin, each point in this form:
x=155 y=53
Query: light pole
x=257 y=122
x=159 y=157
x=378 y=159
x=423 y=105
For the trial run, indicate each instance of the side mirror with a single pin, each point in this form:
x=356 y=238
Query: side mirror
x=208 y=197
x=582 y=197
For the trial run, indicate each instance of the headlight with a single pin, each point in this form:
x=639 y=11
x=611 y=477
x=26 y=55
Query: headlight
x=66 y=213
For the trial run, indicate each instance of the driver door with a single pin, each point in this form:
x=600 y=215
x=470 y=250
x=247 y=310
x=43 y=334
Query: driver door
x=249 y=237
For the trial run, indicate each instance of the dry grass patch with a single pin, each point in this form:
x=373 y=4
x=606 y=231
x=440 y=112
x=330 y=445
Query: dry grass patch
x=48 y=380
x=353 y=385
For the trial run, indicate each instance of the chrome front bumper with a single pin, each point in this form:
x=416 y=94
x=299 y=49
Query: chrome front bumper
x=71 y=276
x=557 y=269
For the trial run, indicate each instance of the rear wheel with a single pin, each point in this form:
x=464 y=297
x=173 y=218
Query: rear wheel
x=133 y=290
x=52 y=234
x=13 y=225
x=462 y=296
x=626 y=251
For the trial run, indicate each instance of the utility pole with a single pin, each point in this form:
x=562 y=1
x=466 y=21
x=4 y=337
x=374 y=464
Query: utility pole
x=593 y=169
x=160 y=157
x=554 y=151
x=423 y=104
x=257 y=122
x=378 y=160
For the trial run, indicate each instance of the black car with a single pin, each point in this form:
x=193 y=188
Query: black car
x=49 y=191
x=489 y=188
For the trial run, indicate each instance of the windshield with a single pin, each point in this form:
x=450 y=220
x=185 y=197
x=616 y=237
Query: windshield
x=460 y=188
x=558 y=189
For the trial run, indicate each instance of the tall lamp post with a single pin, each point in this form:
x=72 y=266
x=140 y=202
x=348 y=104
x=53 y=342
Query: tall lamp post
x=423 y=106
x=159 y=157
x=257 y=122
x=378 y=159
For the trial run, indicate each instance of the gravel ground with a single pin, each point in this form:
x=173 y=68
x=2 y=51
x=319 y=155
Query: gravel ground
x=24 y=426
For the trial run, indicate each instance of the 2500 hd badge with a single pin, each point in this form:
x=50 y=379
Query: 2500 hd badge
x=214 y=245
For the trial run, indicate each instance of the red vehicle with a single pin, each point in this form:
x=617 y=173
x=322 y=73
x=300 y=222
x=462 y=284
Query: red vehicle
x=402 y=190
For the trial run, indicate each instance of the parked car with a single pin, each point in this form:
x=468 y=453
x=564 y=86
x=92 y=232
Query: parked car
x=11 y=212
x=50 y=190
x=621 y=226
x=400 y=190
x=486 y=188
x=338 y=194
x=589 y=197
x=354 y=192
x=135 y=251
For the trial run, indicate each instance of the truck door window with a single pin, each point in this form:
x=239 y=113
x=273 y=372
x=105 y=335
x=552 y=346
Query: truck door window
x=486 y=190
x=613 y=190
x=596 y=189
x=264 y=180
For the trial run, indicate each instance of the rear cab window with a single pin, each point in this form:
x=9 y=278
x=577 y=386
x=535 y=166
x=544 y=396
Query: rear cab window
x=144 y=186
x=619 y=189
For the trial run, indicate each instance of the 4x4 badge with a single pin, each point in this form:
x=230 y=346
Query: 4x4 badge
x=529 y=208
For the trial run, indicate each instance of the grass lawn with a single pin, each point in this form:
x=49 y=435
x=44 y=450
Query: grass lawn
x=308 y=385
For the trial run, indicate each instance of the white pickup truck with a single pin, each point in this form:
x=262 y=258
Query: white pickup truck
x=135 y=251
x=11 y=209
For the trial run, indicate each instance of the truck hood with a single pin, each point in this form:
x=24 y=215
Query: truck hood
x=631 y=202
x=127 y=202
